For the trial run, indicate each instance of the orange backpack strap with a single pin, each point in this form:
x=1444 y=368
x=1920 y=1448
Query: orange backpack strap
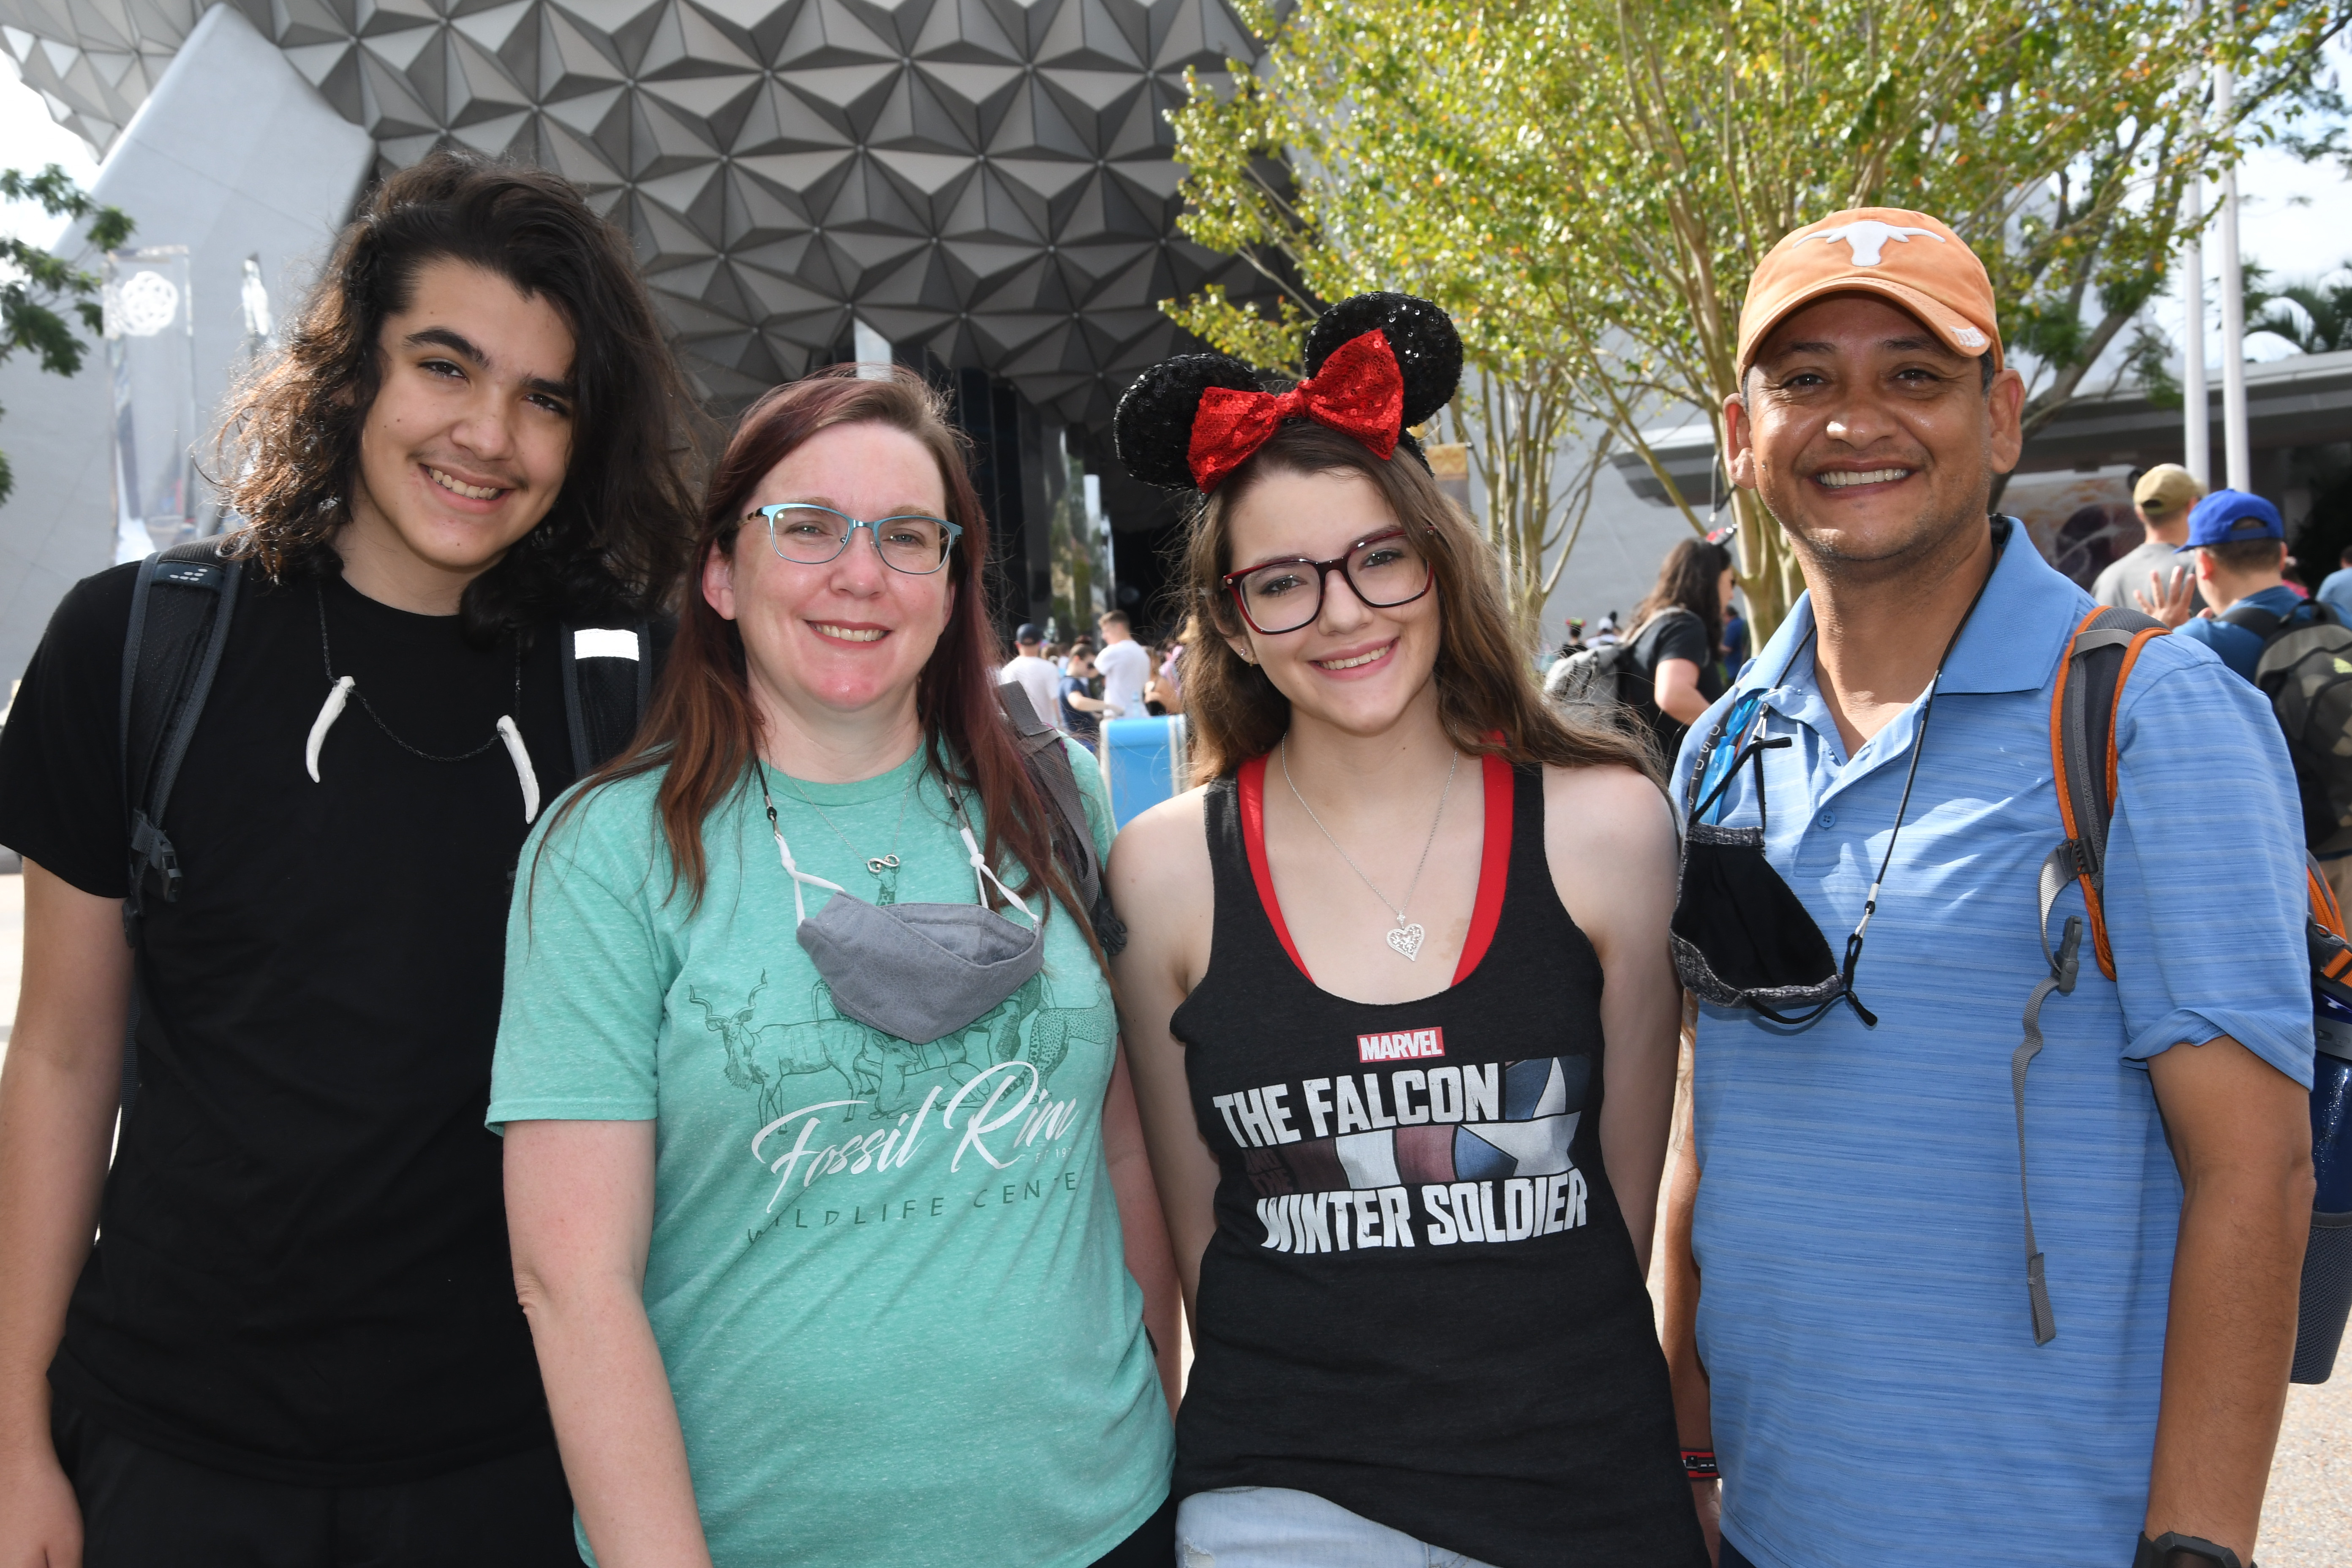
x=2083 y=760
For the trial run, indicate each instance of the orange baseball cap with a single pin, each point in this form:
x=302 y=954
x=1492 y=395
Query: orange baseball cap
x=1912 y=259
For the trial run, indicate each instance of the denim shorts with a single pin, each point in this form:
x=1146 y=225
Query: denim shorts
x=1275 y=1527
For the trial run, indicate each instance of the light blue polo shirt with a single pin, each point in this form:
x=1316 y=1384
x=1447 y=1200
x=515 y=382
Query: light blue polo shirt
x=1879 y=1397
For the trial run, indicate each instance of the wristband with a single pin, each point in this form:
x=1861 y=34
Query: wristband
x=2173 y=1550
x=1699 y=1465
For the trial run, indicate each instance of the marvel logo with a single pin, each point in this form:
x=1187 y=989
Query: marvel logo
x=1402 y=1044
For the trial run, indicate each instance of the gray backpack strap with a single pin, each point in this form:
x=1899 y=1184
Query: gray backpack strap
x=1074 y=842
x=181 y=610
x=2090 y=688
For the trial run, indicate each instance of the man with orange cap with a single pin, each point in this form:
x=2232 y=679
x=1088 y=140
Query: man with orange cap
x=1924 y=1307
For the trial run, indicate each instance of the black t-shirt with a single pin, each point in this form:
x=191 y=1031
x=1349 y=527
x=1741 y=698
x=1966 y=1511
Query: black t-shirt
x=302 y=1270
x=1672 y=632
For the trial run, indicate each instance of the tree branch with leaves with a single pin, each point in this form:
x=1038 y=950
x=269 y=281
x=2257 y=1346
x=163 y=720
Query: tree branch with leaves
x=39 y=289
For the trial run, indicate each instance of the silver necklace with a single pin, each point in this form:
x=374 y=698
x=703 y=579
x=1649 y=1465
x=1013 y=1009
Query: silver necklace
x=1406 y=937
x=883 y=867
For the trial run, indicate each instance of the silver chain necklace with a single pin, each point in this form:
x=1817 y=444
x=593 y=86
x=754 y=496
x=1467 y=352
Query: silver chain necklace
x=883 y=867
x=1406 y=937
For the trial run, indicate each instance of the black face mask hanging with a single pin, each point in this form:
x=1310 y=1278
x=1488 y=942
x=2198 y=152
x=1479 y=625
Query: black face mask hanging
x=1741 y=937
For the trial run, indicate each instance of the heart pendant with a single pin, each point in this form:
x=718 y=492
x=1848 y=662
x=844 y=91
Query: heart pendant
x=1406 y=940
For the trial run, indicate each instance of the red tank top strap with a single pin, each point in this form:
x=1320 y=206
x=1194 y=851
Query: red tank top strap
x=1494 y=859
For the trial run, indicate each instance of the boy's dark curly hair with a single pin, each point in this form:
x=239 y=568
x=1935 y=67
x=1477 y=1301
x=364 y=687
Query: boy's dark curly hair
x=615 y=542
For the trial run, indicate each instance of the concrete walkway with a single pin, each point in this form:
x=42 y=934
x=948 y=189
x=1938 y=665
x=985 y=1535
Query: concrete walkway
x=2307 y=1517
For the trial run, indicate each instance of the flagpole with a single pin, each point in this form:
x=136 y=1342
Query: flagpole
x=2239 y=460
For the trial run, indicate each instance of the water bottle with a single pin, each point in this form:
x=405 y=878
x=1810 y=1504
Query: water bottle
x=2327 y=1294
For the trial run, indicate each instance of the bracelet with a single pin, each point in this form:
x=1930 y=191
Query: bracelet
x=1699 y=1465
x=2173 y=1550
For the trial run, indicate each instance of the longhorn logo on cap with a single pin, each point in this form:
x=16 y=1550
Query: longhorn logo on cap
x=1868 y=238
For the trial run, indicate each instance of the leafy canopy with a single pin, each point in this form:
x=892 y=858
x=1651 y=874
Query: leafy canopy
x=38 y=288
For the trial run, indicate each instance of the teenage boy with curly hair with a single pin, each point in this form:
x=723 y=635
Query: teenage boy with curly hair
x=296 y=1340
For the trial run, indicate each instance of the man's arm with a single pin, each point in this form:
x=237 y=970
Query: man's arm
x=2241 y=1134
x=58 y=1096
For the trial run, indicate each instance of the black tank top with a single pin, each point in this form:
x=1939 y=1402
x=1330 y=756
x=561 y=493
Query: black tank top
x=1420 y=1301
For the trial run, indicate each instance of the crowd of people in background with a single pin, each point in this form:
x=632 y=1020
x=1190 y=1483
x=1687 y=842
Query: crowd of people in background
x=756 y=1108
x=1079 y=685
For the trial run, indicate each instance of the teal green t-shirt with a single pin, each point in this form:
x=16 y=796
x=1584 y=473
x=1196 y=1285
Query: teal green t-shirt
x=888 y=1280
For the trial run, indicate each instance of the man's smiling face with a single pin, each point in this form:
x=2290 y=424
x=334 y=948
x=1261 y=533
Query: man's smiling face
x=1868 y=438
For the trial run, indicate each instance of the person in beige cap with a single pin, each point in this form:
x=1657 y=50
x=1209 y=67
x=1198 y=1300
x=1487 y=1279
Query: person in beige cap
x=1890 y=1356
x=2152 y=579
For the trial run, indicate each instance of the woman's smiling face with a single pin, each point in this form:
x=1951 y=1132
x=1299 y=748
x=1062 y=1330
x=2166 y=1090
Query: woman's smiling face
x=852 y=635
x=1355 y=665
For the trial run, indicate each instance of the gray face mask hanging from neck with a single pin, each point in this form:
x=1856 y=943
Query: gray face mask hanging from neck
x=917 y=972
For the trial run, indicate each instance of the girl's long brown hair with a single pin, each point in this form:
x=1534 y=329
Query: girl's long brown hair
x=1687 y=578
x=1486 y=694
x=702 y=731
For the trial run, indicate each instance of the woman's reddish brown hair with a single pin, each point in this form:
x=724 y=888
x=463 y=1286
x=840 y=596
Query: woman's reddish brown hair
x=702 y=731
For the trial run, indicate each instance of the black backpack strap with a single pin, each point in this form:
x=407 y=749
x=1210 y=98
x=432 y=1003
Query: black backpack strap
x=181 y=610
x=1074 y=842
x=2262 y=622
x=608 y=684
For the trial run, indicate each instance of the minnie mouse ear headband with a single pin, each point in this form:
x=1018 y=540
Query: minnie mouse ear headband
x=1375 y=365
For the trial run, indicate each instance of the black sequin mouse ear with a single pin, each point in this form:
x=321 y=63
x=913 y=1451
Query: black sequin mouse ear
x=1428 y=350
x=1152 y=430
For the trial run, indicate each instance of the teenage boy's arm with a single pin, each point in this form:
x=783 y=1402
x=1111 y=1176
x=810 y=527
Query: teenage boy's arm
x=580 y=1207
x=2240 y=1132
x=58 y=1096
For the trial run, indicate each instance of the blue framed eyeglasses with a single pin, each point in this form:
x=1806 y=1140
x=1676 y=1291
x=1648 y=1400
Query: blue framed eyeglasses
x=811 y=535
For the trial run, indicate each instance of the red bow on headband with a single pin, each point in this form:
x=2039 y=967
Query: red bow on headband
x=1360 y=392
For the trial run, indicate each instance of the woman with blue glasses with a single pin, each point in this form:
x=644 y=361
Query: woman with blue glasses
x=823 y=1175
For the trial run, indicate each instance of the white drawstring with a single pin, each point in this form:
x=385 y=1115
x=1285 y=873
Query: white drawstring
x=981 y=868
x=785 y=853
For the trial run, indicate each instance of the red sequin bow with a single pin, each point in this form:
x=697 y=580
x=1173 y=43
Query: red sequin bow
x=1360 y=392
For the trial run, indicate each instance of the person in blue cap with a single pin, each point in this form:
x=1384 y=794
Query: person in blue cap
x=2239 y=543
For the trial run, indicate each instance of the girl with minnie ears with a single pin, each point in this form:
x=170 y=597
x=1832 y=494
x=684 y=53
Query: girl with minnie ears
x=1397 y=998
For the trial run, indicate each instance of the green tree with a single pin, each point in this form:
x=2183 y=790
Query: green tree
x=1588 y=183
x=37 y=287
x=2314 y=316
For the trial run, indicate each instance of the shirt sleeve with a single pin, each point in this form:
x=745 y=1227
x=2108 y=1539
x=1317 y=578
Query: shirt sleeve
x=587 y=973
x=1679 y=637
x=2205 y=896
x=61 y=802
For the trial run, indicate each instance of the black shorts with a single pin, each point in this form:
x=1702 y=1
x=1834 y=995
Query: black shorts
x=142 y=1508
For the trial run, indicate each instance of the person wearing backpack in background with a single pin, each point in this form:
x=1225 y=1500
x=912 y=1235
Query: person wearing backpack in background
x=1893 y=1349
x=297 y=1342
x=1668 y=667
x=2292 y=648
x=2151 y=576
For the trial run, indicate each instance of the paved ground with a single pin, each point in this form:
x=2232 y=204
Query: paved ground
x=2307 y=1518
